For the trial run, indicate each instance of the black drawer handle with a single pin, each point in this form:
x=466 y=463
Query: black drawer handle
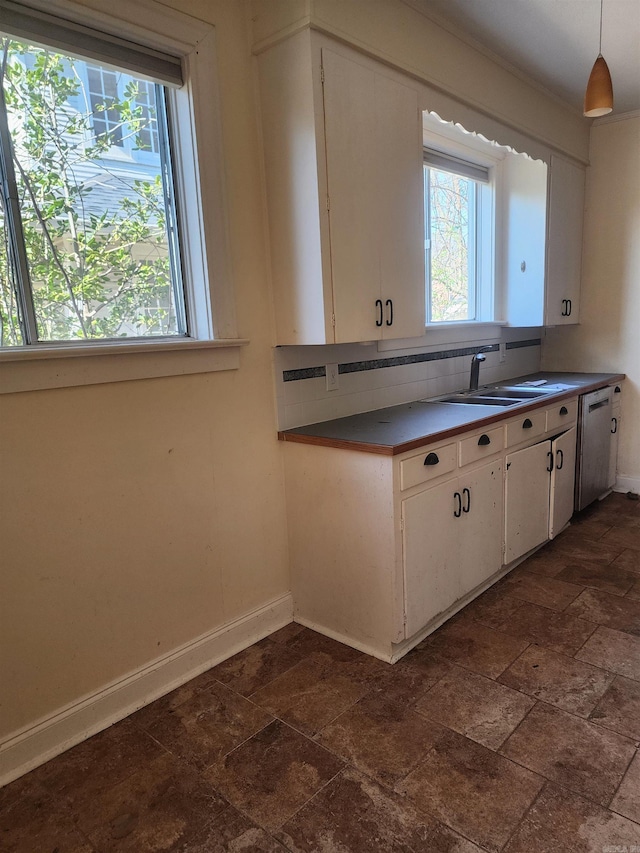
x=614 y=421
x=617 y=390
x=484 y=440
x=564 y=410
x=379 y=309
x=467 y=494
x=431 y=459
x=559 y=460
x=458 y=511
x=526 y=424
x=550 y=455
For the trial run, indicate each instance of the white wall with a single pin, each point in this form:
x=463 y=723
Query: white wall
x=137 y=516
x=608 y=337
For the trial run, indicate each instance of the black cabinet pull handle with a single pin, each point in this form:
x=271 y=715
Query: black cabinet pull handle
x=565 y=305
x=457 y=512
x=526 y=424
x=617 y=389
x=614 y=421
x=559 y=460
x=467 y=494
x=564 y=410
x=484 y=440
x=379 y=309
x=389 y=305
x=431 y=459
x=570 y=307
x=550 y=455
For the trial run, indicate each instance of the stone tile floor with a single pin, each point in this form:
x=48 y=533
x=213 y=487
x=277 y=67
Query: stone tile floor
x=515 y=727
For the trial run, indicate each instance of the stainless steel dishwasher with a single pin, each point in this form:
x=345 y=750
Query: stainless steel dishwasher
x=594 y=440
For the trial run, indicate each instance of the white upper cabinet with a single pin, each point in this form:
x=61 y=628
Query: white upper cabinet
x=564 y=242
x=343 y=160
x=542 y=240
x=522 y=237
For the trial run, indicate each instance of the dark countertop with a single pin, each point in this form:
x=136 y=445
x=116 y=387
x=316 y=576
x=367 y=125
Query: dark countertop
x=399 y=428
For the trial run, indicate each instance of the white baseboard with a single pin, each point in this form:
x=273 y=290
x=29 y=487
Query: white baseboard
x=627 y=484
x=48 y=737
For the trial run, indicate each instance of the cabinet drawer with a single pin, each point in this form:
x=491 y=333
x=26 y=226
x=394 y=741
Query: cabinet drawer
x=526 y=427
x=481 y=445
x=563 y=415
x=427 y=465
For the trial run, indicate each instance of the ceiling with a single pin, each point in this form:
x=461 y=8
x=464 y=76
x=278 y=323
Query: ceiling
x=555 y=42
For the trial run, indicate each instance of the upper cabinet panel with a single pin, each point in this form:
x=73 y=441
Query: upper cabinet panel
x=343 y=156
x=564 y=242
x=524 y=209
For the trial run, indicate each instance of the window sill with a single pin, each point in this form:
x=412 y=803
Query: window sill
x=63 y=366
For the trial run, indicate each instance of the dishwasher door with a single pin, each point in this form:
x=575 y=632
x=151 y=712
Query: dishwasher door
x=594 y=439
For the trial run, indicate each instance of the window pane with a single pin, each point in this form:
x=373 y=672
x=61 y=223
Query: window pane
x=143 y=94
x=103 y=94
x=451 y=218
x=95 y=227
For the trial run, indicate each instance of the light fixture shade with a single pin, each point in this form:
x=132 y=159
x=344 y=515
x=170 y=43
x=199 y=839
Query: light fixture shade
x=598 y=99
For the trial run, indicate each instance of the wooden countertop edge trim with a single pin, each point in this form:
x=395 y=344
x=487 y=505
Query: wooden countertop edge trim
x=431 y=438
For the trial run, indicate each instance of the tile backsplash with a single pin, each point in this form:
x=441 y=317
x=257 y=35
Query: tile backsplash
x=372 y=379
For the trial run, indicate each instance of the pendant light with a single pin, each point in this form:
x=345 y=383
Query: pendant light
x=598 y=99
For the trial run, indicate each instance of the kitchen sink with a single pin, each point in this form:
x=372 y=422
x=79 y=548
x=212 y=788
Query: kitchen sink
x=514 y=393
x=480 y=400
x=537 y=391
x=503 y=395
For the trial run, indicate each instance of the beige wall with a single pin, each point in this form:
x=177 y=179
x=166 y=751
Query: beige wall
x=136 y=516
x=608 y=337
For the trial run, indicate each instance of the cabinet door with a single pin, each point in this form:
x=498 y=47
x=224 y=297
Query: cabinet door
x=400 y=186
x=376 y=209
x=564 y=242
x=354 y=214
x=613 y=447
x=526 y=499
x=481 y=530
x=523 y=253
x=431 y=521
x=563 y=476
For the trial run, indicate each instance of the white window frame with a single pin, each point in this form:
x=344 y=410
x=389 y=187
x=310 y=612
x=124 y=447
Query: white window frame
x=201 y=201
x=483 y=248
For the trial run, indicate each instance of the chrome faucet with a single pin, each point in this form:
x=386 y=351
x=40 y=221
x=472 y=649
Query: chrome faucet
x=475 y=370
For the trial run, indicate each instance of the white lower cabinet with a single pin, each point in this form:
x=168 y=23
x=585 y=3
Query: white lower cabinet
x=563 y=477
x=615 y=432
x=383 y=548
x=526 y=500
x=539 y=484
x=452 y=542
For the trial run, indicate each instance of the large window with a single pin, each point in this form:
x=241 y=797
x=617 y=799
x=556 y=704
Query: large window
x=89 y=247
x=458 y=239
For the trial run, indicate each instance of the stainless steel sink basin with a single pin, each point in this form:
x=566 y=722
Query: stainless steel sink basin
x=479 y=400
x=537 y=391
x=503 y=395
x=514 y=393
